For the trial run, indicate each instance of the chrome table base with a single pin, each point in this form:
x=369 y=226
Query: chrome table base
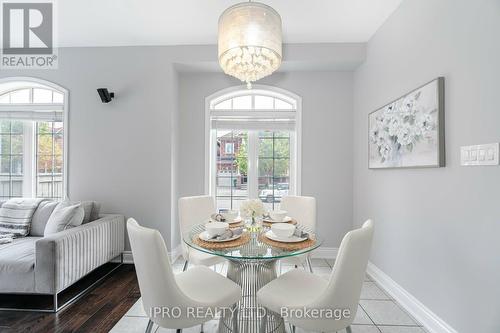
x=248 y=316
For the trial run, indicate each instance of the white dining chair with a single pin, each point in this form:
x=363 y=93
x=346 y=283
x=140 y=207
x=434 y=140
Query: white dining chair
x=303 y=210
x=298 y=289
x=162 y=292
x=195 y=210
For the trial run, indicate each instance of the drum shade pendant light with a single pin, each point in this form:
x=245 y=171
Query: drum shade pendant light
x=250 y=41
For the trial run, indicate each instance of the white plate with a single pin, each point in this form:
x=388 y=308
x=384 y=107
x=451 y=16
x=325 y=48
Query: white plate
x=285 y=220
x=236 y=220
x=204 y=236
x=294 y=239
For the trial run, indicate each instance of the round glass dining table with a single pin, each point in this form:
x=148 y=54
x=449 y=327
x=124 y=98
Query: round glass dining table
x=251 y=265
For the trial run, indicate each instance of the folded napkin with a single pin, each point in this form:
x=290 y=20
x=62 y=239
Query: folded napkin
x=301 y=233
x=6 y=238
x=218 y=217
x=229 y=234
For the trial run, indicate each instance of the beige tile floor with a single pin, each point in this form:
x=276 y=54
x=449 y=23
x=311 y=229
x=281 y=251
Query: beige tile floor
x=377 y=312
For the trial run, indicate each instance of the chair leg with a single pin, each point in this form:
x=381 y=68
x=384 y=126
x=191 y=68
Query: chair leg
x=179 y=330
x=201 y=328
x=263 y=323
x=309 y=264
x=149 y=327
x=348 y=329
x=186 y=263
x=235 y=318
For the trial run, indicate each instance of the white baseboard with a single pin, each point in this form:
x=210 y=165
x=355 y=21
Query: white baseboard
x=419 y=311
x=174 y=255
x=325 y=252
x=127 y=257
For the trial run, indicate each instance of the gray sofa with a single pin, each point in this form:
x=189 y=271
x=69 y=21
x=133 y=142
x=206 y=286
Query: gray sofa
x=48 y=265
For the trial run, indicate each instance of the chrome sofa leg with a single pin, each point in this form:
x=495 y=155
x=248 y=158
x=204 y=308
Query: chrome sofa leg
x=186 y=263
x=348 y=329
x=149 y=327
x=55 y=305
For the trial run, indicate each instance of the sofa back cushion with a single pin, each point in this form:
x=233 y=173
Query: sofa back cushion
x=96 y=208
x=16 y=215
x=41 y=217
x=90 y=208
x=64 y=216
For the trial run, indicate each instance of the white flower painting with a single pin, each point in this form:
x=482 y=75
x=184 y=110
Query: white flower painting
x=409 y=131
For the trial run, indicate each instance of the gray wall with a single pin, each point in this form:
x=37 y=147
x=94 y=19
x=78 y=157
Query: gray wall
x=326 y=139
x=119 y=153
x=125 y=154
x=437 y=230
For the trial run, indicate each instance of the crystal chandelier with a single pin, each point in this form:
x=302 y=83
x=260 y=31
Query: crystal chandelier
x=250 y=41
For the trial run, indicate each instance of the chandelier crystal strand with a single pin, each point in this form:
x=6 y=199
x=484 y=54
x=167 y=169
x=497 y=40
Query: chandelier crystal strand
x=250 y=41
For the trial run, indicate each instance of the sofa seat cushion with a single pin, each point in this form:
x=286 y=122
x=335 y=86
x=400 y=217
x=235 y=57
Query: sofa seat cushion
x=17 y=265
x=18 y=256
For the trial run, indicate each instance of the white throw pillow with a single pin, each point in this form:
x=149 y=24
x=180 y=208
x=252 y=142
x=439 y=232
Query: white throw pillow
x=64 y=216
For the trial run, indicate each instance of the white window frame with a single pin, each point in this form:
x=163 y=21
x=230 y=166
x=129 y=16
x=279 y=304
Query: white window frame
x=229 y=151
x=211 y=138
x=31 y=161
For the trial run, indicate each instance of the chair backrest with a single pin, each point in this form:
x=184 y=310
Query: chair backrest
x=154 y=272
x=302 y=209
x=194 y=210
x=346 y=280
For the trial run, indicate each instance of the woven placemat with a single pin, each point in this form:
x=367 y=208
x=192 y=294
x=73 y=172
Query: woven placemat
x=287 y=246
x=236 y=225
x=268 y=224
x=245 y=237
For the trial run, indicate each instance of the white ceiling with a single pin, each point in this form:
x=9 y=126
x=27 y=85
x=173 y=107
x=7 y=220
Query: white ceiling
x=167 y=22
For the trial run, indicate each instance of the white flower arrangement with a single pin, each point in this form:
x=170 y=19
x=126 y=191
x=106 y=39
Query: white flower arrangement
x=400 y=127
x=252 y=208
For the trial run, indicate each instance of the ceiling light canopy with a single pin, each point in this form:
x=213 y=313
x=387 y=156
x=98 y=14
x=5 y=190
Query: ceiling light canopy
x=250 y=41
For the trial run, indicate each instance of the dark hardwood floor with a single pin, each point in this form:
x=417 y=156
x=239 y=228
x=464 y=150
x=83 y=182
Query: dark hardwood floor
x=97 y=311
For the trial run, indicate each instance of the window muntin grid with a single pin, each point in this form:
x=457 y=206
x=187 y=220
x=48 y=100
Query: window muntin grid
x=281 y=179
x=254 y=100
x=49 y=160
x=11 y=158
x=231 y=177
x=20 y=174
x=32 y=95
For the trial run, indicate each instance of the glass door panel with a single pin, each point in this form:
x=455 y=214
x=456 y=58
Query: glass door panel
x=231 y=178
x=274 y=167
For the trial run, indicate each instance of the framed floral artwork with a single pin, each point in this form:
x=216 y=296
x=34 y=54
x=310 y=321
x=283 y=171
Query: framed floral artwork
x=409 y=132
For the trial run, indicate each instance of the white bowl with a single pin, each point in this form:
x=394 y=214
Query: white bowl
x=283 y=230
x=230 y=215
x=216 y=228
x=278 y=215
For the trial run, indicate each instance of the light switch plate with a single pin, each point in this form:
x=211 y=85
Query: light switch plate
x=486 y=154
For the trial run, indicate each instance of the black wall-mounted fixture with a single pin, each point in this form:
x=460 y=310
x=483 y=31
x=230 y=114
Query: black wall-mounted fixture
x=105 y=95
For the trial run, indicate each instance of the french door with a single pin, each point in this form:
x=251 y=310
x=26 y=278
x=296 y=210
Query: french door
x=252 y=163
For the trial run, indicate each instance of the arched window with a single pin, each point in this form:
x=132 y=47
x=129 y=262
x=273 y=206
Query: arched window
x=32 y=139
x=253 y=141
